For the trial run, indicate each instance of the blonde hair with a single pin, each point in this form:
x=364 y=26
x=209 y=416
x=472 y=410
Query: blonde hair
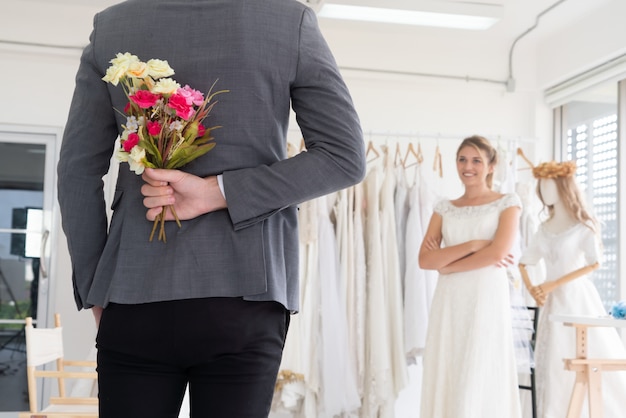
x=573 y=201
x=481 y=144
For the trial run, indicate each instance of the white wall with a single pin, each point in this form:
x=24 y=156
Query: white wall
x=580 y=46
x=39 y=83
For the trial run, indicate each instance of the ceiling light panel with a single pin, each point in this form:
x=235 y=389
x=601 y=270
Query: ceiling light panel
x=441 y=13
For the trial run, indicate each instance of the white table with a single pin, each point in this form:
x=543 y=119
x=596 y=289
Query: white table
x=588 y=371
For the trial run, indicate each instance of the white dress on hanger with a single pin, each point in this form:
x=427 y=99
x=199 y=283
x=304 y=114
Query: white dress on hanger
x=338 y=392
x=401 y=205
x=469 y=360
x=378 y=388
x=298 y=382
x=416 y=295
x=393 y=279
x=360 y=287
x=562 y=253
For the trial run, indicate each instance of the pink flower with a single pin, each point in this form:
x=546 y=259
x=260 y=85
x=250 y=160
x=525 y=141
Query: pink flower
x=131 y=141
x=193 y=96
x=179 y=104
x=145 y=99
x=154 y=128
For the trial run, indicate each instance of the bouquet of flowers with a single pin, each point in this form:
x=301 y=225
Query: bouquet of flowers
x=163 y=120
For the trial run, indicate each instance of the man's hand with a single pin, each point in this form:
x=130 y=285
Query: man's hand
x=191 y=195
x=97 y=314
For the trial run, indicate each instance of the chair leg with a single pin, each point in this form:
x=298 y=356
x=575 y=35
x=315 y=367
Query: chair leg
x=533 y=392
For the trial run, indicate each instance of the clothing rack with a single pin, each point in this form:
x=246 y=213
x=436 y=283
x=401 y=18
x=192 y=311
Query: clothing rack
x=417 y=135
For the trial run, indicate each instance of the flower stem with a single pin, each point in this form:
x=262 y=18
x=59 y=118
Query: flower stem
x=160 y=220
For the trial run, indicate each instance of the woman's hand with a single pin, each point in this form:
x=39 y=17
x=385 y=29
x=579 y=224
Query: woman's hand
x=507 y=261
x=431 y=243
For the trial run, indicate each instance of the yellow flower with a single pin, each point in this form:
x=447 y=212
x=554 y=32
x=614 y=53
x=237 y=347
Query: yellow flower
x=124 y=60
x=137 y=69
x=159 y=69
x=119 y=66
x=166 y=86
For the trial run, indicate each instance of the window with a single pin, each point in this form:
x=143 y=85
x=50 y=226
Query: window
x=590 y=126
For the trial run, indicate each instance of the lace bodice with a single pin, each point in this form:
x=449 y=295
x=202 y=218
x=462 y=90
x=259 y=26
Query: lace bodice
x=464 y=223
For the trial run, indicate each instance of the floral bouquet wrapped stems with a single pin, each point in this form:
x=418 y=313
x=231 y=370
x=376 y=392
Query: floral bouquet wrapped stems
x=163 y=120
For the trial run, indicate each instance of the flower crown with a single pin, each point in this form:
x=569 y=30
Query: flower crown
x=552 y=169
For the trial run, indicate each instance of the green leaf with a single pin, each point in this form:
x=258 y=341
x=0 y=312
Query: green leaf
x=151 y=150
x=186 y=155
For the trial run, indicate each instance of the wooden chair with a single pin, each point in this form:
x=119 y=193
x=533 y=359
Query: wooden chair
x=45 y=346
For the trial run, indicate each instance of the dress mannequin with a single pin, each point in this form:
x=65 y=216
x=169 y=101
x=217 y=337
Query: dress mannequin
x=559 y=222
x=568 y=242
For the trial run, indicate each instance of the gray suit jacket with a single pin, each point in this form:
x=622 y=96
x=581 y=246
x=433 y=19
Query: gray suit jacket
x=270 y=54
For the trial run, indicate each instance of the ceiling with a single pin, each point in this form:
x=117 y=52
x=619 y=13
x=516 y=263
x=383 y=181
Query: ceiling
x=355 y=44
x=517 y=17
x=361 y=45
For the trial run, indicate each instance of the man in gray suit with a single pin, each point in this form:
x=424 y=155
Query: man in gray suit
x=209 y=308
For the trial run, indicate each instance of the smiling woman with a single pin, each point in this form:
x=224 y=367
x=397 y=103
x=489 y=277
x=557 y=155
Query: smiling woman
x=469 y=360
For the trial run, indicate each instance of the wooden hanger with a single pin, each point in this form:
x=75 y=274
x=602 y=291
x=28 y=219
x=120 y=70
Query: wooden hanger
x=372 y=149
x=411 y=151
x=437 y=166
x=520 y=152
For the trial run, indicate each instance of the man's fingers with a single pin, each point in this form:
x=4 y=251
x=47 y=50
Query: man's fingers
x=162 y=175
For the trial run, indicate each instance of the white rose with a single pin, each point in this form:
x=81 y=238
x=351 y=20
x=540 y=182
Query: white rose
x=166 y=86
x=159 y=68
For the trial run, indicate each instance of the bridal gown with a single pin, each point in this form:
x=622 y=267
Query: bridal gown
x=469 y=360
x=562 y=253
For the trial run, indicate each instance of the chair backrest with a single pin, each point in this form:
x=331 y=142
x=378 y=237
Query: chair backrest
x=44 y=346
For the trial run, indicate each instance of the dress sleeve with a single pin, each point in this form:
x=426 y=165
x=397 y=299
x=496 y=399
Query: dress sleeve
x=533 y=253
x=511 y=199
x=441 y=206
x=591 y=246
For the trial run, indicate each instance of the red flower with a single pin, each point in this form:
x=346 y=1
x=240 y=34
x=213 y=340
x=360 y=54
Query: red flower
x=179 y=104
x=131 y=141
x=201 y=130
x=154 y=128
x=145 y=99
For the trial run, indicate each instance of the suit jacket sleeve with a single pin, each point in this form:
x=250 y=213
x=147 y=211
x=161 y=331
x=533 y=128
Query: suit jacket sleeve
x=335 y=156
x=84 y=159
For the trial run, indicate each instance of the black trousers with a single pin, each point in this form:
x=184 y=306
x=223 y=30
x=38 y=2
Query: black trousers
x=227 y=350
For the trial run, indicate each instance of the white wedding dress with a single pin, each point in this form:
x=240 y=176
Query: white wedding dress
x=562 y=253
x=469 y=360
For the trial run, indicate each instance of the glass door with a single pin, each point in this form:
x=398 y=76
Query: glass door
x=27 y=175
